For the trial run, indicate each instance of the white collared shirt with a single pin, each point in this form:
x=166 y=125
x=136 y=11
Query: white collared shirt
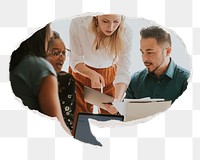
x=81 y=44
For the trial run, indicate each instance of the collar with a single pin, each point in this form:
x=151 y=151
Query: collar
x=170 y=70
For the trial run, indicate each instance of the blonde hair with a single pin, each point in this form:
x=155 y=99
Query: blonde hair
x=113 y=44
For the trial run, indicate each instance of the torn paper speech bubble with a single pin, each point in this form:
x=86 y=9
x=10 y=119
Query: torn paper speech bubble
x=179 y=54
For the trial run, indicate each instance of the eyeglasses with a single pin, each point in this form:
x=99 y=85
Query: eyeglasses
x=58 y=53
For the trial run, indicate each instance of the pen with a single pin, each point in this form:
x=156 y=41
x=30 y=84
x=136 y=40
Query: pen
x=101 y=88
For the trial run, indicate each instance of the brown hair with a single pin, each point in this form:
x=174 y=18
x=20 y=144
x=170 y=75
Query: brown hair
x=161 y=36
x=56 y=35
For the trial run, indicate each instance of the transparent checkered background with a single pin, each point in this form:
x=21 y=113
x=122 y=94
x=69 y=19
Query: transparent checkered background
x=174 y=134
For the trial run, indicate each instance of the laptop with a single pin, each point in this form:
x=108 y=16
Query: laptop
x=139 y=109
x=96 y=98
x=82 y=130
x=136 y=111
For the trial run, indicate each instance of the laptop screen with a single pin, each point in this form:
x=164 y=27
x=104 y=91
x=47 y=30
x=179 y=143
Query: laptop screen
x=82 y=130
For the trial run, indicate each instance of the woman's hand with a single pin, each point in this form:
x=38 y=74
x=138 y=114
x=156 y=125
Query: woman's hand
x=110 y=108
x=120 y=89
x=97 y=80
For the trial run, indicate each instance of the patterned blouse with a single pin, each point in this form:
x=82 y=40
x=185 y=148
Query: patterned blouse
x=67 y=96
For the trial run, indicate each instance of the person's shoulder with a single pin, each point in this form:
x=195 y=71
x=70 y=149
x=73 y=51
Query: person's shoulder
x=184 y=73
x=127 y=29
x=32 y=60
x=128 y=35
x=81 y=18
x=80 y=22
x=139 y=74
x=39 y=63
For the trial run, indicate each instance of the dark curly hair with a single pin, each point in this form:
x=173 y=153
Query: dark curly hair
x=34 y=45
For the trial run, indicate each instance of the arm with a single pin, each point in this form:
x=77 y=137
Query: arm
x=49 y=100
x=123 y=67
x=120 y=89
x=184 y=86
x=185 y=82
x=77 y=57
x=96 y=78
x=130 y=93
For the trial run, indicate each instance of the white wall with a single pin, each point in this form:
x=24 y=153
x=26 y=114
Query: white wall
x=179 y=53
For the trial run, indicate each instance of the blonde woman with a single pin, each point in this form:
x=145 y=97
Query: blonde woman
x=100 y=56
